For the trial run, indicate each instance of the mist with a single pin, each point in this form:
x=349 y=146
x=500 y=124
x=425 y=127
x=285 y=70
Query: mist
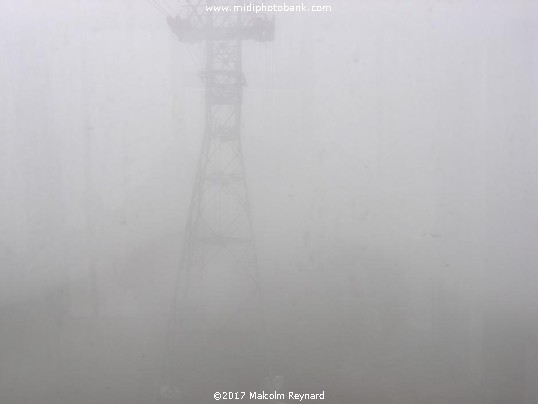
x=391 y=158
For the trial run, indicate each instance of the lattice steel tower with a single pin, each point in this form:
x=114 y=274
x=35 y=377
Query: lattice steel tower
x=216 y=338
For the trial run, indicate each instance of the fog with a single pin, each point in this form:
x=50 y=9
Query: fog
x=392 y=166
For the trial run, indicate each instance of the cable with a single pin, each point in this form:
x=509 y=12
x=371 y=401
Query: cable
x=155 y=6
x=172 y=8
x=158 y=7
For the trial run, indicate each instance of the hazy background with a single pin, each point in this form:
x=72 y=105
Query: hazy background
x=392 y=160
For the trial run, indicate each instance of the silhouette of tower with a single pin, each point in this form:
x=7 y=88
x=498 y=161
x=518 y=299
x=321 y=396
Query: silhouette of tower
x=216 y=337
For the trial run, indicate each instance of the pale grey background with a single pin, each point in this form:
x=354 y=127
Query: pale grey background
x=392 y=154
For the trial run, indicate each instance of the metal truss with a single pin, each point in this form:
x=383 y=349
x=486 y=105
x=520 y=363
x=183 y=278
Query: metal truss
x=218 y=342
x=197 y=24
